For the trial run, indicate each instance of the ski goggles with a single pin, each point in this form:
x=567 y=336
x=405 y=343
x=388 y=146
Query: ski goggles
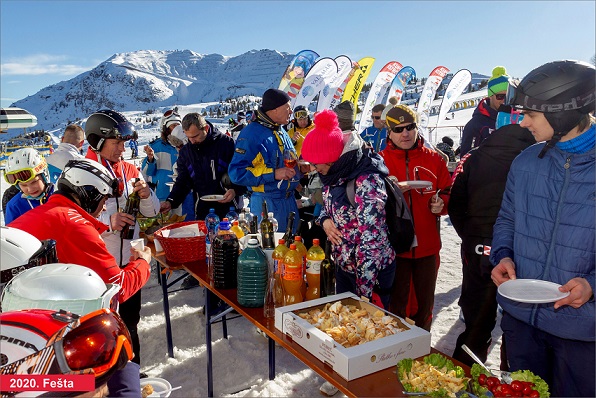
x=97 y=343
x=170 y=112
x=500 y=97
x=301 y=114
x=400 y=129
x=25 y=175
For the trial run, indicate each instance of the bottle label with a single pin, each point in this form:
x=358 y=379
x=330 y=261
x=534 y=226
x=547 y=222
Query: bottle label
x=313 y=266
x=276 y=266
x=292 y=273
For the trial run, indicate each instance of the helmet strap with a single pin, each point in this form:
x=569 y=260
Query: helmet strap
x=551 y=143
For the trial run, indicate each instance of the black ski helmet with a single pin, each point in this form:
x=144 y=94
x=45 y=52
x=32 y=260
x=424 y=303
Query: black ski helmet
x=88 y=181
x=105 y=124
x=563 y=90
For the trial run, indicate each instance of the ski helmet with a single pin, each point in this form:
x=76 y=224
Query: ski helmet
x=105 y=124
x=169 y=117
x=43 y=342
x=88 y=181
x=57 y=286
x=563 y=90
x=20 y=251
x=24 y=164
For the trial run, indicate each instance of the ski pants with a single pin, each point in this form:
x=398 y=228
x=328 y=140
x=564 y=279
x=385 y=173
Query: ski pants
x=130 y=312
x=423 y=273
x=568 y=366
x=346 y=282
x=478 y=300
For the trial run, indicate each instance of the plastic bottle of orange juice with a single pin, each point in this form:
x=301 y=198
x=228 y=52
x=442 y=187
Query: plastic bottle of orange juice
x=278 y=264
x=236 y=229
x=292 y=276
x=302 y=250
x=314 y=258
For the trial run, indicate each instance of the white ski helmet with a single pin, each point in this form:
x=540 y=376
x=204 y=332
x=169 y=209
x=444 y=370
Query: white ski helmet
x=69 y=287
x=88 y=181
x=20 y=250
x=170 y=116
x=24 y=164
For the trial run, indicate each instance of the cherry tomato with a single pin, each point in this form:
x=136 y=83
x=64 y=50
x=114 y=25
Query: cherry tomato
x=491 y=382
x=482 y=379
x=527 y=391
x=506 y=390
x=517 y=386
x=534 y=394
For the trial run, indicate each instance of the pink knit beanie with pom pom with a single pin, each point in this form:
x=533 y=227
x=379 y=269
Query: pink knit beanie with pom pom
x=324 y=143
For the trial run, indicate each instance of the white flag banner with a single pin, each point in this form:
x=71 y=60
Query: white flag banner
x=401 y=80
x=336 y=99
x=384 y=78
x=344 y=67
x=456 y=86
x=426 y=98
x=319 y=75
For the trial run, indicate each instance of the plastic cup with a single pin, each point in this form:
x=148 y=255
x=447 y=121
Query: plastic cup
x=138 y=244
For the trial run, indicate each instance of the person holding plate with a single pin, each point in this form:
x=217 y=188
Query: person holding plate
x=425 y=182
x=545 y=231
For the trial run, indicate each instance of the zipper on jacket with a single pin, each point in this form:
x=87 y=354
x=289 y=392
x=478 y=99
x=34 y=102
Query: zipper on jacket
x=213 y=169
x=413 y=250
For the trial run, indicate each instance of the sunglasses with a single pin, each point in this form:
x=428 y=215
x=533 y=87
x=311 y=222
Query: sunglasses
x=25 y=175
x=301 y=114
x=97 y=342
x=409 y=127
x=500 y=97
x=376 y=117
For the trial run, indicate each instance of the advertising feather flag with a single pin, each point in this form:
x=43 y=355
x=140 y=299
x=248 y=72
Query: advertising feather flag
x=354 y=86
x=456 y=86
x=321 y=73
x=401 y=80
x=293 y=76
x=385 y=76
x=426 y=98
x=340 y=90
x=344 y=67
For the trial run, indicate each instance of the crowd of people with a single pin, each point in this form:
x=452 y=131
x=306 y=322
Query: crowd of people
x=521 y=199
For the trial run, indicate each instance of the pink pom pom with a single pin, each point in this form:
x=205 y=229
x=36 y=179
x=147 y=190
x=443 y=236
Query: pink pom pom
x=326 y=120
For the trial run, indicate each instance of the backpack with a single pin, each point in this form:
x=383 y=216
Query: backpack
x=398 y=215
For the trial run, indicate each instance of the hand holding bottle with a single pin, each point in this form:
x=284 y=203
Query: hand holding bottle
x=142 y=188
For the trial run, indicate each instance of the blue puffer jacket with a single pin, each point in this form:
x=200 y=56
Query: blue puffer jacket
x=546 y=225
x=160 y=171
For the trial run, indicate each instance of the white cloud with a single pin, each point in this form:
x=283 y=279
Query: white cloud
x=41 y=64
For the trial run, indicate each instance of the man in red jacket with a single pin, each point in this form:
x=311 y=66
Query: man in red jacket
x=424 y=180
x=69 y=217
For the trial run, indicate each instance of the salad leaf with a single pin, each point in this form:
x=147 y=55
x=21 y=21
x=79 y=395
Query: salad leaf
x=476 y=370
x=440 y=362
x=539 y=384
x=404 y=366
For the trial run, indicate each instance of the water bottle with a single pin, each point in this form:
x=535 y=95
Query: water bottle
x=232 y=215
x=273 y=221
x=243 y=224
x=253 y=275
x=212 y=223
x=224 y=250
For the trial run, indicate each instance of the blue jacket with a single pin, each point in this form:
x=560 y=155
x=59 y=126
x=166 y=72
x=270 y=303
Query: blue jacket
x=479 y=127
x=200 y=169
x=547 y=226
x=18 y=205
x=160 y=171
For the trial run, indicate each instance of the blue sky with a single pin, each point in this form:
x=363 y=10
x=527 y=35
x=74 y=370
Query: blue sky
x=45 y=42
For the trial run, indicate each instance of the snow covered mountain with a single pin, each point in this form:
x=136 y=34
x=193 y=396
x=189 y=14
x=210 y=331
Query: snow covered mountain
x=146 y=79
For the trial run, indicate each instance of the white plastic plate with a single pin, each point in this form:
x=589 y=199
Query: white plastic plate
x=531 y=291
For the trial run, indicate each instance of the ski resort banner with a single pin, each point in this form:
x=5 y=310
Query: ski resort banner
x=426 y=98
x=321 y=74
x=456 y=86
x=401 y=80
x=354 y=86
x=293 y=77
x=385 y=76
x=344 y=67
x=335 y=101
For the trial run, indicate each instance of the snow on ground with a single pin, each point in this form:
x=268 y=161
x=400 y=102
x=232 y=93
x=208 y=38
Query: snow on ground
x=240 y=365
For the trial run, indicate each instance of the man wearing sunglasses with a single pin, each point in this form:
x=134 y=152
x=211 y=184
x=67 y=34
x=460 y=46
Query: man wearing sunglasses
x=484 y=117
x=376 y=135
x=410 y=161
x=27 y=170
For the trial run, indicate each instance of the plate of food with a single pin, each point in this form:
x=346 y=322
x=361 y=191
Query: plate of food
x=211 y=198
x=534 y=291
x=152 y=386
x=433 y=374
x=415 y=184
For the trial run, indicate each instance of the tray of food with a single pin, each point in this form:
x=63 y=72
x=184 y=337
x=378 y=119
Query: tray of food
x=523 y=383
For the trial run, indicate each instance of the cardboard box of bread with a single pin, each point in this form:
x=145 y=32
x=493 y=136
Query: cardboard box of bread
x=351 y=335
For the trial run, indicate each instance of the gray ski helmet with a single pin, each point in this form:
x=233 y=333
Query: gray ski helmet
x=105 y=124
x=563 y=90
x=88 y=181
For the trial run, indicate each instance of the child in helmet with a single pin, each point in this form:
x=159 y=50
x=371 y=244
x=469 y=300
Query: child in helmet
x=27 y=170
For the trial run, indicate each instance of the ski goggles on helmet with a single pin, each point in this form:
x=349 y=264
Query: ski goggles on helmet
x=123 y=131
x=46 y=254
x=97 y=343
x=170 y=112
x=25 y=175
x=301 y=114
